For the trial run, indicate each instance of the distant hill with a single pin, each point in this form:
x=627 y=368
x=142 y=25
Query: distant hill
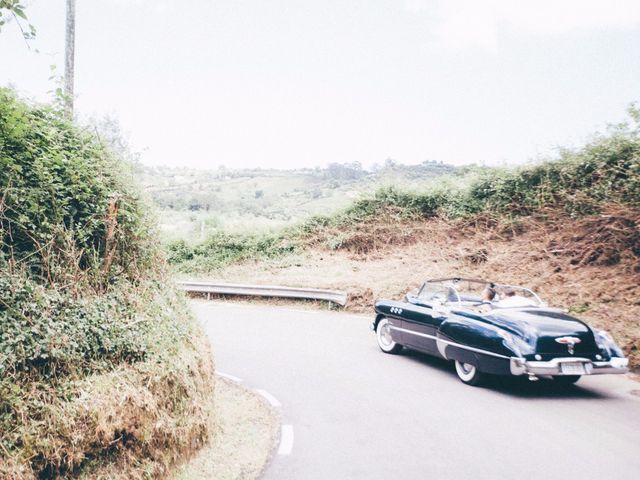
x=193 y=203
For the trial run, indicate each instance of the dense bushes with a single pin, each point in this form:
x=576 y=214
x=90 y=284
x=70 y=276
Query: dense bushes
x=67 y=210
x=70 y=228
x=607 y=170
x=50 y=331
x=221 y=249
x=126 y=419
x=103 y=372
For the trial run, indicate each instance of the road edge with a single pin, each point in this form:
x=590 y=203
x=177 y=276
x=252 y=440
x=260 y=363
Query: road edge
x=228 y=453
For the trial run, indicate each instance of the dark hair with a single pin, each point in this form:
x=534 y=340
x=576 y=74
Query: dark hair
x=490 y=292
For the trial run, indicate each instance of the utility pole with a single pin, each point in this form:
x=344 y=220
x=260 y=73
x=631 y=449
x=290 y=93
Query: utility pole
x=70 y=40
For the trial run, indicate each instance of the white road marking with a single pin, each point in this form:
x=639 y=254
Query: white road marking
x=229 y=377
x=270 y=398
x=286 y=440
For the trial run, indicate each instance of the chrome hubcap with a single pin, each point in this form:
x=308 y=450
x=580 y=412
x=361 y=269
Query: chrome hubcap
x=466 y=371
x=467 y=368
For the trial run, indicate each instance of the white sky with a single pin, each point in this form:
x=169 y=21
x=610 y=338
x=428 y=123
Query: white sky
x=292 y=83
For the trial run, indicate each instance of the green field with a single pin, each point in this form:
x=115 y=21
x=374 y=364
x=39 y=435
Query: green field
x=191 y=204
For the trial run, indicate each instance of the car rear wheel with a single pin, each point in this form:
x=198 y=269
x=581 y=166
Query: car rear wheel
x=566 y=379
x=468 y=373
x=383 y=334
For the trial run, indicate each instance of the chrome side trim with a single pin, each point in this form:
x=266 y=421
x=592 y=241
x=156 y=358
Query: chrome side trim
x=453 y=344
x=442 y=348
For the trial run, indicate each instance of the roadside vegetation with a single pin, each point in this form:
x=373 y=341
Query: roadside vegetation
x=103 y=371
x=602 y=175
x=568 y=227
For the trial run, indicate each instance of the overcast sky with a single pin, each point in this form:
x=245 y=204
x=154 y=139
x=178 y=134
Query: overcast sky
x=292 y=83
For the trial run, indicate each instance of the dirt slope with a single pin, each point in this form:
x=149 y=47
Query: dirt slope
x=590 y=266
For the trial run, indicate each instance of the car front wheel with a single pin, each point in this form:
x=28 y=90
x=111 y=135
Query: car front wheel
x=468 y=373
x=383 y=334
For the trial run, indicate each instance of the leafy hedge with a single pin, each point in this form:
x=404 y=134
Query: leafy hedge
x=101 y=364
x=221 y=249
x=128 y=397
x=580 y=182
x=67 y=211
x=49 y=331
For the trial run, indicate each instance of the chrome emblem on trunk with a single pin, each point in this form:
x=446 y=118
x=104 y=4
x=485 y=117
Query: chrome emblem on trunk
x=570 y=342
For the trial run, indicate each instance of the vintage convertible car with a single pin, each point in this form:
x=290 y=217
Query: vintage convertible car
x=488 y=328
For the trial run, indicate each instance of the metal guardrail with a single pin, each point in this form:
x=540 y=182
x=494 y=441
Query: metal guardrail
x=265 y=291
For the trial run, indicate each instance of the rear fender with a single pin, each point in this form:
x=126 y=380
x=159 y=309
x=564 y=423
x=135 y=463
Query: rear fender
x=475 y=334
x=475 y=342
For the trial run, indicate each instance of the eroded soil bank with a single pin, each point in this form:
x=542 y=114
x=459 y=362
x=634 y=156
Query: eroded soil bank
x=590 y=266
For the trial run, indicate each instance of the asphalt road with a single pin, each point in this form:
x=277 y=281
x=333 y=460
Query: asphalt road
x=357 y=413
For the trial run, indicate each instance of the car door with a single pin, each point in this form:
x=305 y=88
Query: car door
x=420 y=324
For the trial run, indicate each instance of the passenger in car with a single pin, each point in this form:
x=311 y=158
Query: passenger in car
x=513 y=300
x=488 y=294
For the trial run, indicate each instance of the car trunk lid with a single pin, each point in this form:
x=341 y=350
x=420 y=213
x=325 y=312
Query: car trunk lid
x=549 y=331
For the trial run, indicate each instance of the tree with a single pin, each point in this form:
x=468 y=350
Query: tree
x=14 y=10
x=344 y=171
x=390 y=163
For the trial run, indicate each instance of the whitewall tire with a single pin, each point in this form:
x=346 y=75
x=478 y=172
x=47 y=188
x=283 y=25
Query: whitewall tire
x=383 y=334
x=468 y=373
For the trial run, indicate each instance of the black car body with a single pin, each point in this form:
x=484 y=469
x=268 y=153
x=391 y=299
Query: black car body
x=515 y=333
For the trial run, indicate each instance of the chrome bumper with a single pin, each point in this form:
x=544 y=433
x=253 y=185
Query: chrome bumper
x=520 y=366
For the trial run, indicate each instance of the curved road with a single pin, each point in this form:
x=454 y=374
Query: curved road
x=360 y=414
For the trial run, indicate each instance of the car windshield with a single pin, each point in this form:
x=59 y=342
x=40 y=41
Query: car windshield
x=470 y=292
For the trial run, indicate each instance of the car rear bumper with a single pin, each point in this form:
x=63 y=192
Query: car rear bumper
x=520 y=366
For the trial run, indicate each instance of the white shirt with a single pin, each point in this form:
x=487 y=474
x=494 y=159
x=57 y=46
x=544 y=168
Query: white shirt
x=515 y=301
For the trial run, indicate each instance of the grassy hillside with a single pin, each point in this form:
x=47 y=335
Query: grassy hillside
x=103 y=372
x=569 y=228
x=195 y=203
x=580 y=183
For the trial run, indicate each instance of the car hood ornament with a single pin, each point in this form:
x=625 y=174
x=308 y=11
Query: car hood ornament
x=570 y=342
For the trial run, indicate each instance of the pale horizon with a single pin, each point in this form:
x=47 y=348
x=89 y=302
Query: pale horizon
x=286 y=85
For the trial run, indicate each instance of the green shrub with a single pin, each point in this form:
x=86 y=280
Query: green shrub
x=67 y=211
x=579 y=182
x=605 y=170
x=221 y=249
x=54 y=333
x=101 y=365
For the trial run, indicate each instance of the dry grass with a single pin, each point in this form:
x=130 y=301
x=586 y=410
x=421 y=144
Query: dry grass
x=247 y=436
x=588 y=266
x=133 y=422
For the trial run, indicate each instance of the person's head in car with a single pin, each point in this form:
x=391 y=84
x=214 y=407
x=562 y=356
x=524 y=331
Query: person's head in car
x=488 y=294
